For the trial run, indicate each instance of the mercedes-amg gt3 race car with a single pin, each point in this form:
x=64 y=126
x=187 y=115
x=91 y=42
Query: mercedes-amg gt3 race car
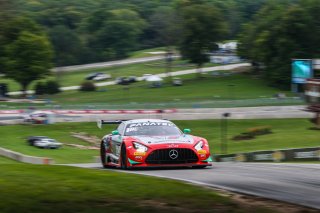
x=152 y=143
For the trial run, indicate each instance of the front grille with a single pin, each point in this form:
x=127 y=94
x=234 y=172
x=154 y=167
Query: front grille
x=162 y=156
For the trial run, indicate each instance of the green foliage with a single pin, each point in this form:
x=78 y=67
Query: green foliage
x=27 y=52
x=40 y=88
x=52 y=87
x=114 y=33
x=68 y=47
x=202 y=27
x=279 y=33
x=87 y=86
x=84 y=23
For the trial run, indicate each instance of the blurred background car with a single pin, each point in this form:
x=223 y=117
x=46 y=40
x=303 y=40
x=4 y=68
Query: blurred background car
x=177 y=82
x=43 y=142
x=98 y=76
x=39 y=117
x=126 y=80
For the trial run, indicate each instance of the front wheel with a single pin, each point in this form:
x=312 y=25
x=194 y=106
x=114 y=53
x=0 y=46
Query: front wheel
x=124 y=159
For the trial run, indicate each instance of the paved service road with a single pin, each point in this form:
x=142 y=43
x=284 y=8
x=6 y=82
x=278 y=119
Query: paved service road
x=293 y=183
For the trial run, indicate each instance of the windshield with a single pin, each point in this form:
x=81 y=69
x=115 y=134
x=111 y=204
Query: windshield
x=152 y=129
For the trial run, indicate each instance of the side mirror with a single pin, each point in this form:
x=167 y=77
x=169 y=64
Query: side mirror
x=115 y=132
x=186 y=131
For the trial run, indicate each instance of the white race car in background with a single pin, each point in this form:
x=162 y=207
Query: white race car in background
x=44 y=142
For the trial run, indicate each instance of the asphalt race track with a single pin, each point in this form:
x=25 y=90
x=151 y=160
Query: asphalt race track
x=293 y=183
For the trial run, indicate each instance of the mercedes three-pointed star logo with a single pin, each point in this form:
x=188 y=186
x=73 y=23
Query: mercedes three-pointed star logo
x=173 y=154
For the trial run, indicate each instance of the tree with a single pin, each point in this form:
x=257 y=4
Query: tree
x=202 y=27
x=167 y=26
x=114 y=33
x=28 y=58
x=68 y=47
x=280 y=33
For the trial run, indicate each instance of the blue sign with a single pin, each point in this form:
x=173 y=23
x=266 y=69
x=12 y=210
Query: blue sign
x=301 y=70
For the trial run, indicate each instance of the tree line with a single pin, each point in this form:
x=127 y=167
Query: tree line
x=278 y=33
x=38 y=34
x=85 y=31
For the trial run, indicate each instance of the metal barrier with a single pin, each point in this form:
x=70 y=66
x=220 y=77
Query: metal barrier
x=25 y=158
x=282 y=155
x=177 y=103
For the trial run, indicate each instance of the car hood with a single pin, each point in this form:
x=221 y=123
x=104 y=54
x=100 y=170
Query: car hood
x=164 y=139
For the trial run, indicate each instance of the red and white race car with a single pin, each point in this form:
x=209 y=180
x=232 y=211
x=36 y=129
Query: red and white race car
x=152 y=143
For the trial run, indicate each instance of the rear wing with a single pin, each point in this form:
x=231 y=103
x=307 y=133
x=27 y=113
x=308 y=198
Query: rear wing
x=101 y=122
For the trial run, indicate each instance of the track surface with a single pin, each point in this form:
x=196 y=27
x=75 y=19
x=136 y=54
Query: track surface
x=293 y=183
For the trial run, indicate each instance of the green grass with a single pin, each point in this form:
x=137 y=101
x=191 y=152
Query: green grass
x=75 y=78
x=287 y=133
x=146 y=52
x=4 y=160
x=37 y=189
x=14 y=138
x=193 y=90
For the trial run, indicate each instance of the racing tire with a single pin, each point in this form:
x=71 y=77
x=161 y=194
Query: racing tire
x=199 y=167
x=103 y=155
x=124 y=159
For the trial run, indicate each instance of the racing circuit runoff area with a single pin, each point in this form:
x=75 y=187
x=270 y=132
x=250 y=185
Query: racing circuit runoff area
x=295 y=183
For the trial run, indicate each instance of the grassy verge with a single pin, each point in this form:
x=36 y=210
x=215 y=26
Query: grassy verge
x=287 y=133
x=147 y=52
x=75 y=78
x=210 y=88
x=50 y=189
x=14 y=138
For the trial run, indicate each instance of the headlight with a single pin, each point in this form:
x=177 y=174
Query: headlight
x=199 y=145
x=139 y=147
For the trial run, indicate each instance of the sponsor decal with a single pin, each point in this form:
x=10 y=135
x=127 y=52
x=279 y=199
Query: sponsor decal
x=259 y=157
x=240 y=158
x=309 y=154
x=202 y=151
x=131 y=129
x=139 y=153
x=227 y=159
x=138 y=158
x=173 y=146
x=151 y=124
x=277 y=156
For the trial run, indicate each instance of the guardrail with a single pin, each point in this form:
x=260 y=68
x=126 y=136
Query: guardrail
x=25 y=158
x=211 y=102
x=281 y=155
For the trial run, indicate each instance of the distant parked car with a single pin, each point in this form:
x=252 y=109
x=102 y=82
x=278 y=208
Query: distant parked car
x=122 y=81
x=126 y=80
x=92 y=75
x=132 y=79
x=177 y=81
x=43 y=142
x=98 y=76
x=102 y=77
x=146 y=76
